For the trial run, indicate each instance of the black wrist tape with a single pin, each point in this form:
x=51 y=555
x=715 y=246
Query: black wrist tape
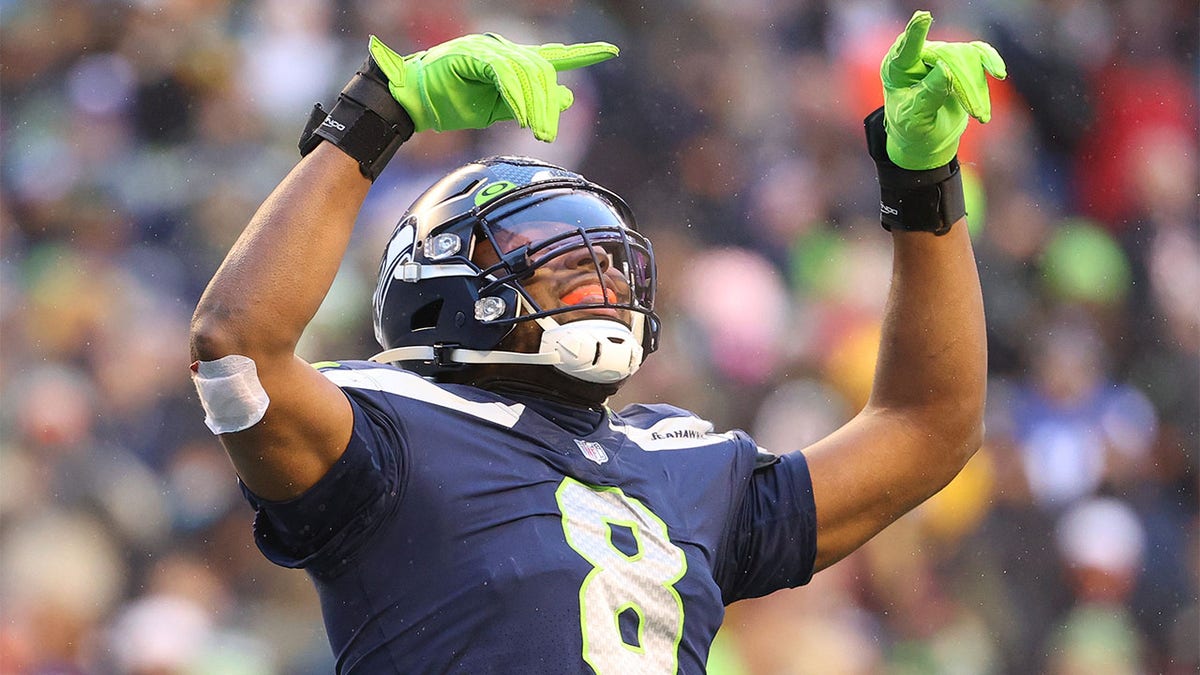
x=920 y=201
x=365 y=123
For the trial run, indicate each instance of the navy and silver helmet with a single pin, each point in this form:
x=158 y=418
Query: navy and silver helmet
x=436 y=308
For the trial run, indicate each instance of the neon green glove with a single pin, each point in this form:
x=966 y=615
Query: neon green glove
x=475 y=80
x=930 y=88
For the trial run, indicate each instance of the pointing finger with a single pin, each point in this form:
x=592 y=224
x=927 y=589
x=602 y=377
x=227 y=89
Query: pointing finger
x=907 y=50
x=991 y=60
x=568 y=57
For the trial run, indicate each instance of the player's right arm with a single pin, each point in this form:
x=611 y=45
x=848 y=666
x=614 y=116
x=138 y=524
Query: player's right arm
x=251 y=316
x=258 y=304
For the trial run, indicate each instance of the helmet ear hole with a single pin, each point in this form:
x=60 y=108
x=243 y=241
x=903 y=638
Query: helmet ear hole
x=427 y=316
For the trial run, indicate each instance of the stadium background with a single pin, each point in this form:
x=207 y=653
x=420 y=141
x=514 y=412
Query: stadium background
x=138 y=137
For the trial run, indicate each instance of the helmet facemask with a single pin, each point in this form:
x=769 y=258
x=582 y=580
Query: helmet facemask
x=588 y=268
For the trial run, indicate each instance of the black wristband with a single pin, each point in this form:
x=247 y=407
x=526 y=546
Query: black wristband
x=365 y=123
x=919 y=201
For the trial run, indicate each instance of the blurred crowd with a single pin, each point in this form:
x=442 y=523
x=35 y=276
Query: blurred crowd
x=139 y=136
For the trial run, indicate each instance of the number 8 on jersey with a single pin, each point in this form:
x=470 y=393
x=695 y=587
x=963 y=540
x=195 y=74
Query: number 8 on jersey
x=640 y=581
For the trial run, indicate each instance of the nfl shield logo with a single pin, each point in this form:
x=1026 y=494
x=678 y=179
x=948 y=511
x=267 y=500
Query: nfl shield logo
x=593 y=451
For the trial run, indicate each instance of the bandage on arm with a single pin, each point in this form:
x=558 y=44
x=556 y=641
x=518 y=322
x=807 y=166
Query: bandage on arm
x=230 y=392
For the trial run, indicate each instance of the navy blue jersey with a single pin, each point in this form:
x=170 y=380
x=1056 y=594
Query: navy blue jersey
x=462 y=531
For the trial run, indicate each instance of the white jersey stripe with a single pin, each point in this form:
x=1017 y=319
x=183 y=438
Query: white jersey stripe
x=415 y=387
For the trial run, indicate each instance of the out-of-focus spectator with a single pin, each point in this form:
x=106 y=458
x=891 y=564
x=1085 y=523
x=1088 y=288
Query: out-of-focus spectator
x=1102 y=544
x=1072 y=424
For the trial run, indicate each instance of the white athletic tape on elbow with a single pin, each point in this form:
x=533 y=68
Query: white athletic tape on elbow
x=232 y=396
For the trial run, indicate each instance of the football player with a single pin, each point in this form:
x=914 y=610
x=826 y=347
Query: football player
x=464 y=501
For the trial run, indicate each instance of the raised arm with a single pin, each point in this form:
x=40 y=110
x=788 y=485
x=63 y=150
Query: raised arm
x=283 y=424
x=924 y=418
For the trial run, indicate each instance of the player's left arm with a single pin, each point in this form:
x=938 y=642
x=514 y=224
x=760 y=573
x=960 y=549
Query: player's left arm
x=924 y=419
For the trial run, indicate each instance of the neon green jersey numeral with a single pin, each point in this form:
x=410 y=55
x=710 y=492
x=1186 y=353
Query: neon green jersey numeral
x=643 y=582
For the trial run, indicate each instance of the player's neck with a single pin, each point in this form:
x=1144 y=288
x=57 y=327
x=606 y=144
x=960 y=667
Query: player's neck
x=576 y=420
x=537 y=381
x=575 y=414
x=529 y=390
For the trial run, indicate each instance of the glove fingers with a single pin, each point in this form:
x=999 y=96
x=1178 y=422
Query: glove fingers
x=966 y=65
x=569 y=57
x=933 y=91
x=514 y=89
x=971 y=88
x=565 y=98
x=913 y=39
x=934 y=116
x=991 y=60
x=544 y=94
x=530 y=85
x=902 y=65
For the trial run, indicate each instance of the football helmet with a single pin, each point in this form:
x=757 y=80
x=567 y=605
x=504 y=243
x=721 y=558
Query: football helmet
x=437 y=307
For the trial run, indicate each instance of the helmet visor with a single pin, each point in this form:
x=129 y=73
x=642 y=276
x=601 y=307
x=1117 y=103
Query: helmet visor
x=536 y=230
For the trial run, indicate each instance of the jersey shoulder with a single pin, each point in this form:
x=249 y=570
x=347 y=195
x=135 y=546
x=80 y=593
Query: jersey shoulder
x=658 y=426
x=648 y=414
x=395 y=388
